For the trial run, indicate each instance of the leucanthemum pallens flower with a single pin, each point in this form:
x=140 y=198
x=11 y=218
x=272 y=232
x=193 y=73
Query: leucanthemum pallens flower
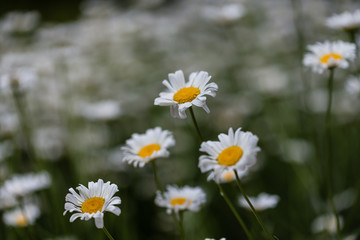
x=182 y=95
x=142 y=148
x=234 y=151
x=329 y=55
x=92 y=202
x=177 y=199
x=347 y=21
x=22 y=217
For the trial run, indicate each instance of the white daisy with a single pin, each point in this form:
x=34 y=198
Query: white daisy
x=177 y=199
x=22 y=217
x=142 y=148
x=347 y=21
x=326 y=222
x=92 y=202
x=262 y=202
x=183 y=95
x=235 y=151
x=23 y=184
x=329 y=55
x=352 y=86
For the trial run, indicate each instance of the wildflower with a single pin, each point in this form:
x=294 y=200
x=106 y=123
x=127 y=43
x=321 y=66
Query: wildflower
x=23 y=184
x=325 y=223
x=142 y=148
x=20 y=22
x=177 y=199
x=182 y=96
x=262 y=202
x=22 y=216
x=101 y=111
x=235 y=151
x=215 y=239
x=92 y=202
x=329 y=55
x=352 y=86
x=347 y=21
x=19 y=79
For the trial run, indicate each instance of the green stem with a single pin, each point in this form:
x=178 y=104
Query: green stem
x=232 y=208
x=182 y=232
x=195 y=123
x=328 y=155
x=156 y=178
x=107 y=233
x=252 y=207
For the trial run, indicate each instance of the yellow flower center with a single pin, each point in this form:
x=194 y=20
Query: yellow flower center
x=92 y=205
x=325 y=58
x=148 y=150
x=21 y=220
x=228 y=176
x=230 y=156
x=186 y=94
x=177 y=201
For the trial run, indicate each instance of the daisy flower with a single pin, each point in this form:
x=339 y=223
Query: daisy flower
x=177 y=199
x=215 y=239
x=352 y=86
x=329 y=55
x=182 y=95
x=262 y=202
x=235 y=151
x=23 y=184
x=347 y=21
x=22 y=217
x=142 y=148
x=92 y=202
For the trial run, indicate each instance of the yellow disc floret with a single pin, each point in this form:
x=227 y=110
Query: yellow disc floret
x=177 y=201
x=186 y=94
x=325 y=58
x=21 y=220
x=230 y=156
x=92 y=205
x=148 y=150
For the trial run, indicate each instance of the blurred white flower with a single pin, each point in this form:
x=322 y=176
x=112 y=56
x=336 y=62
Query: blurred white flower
x=297 y=150
x=22 y=216
x=19 y=79
x=352 y=86
x=328 y=55
x=224 y=14
x=7 y=200
x=49 y=142
x=347 y=21
x=100 y=111
x=326 y=222
x=234 y=151
x=20 y=22
x=182 y=96
x=8 y=123
x=177 y=199
x=345 y=199
x=262 y=202
x=142 y=148
x=92 y=202
x=23 y=184
x=215 y=239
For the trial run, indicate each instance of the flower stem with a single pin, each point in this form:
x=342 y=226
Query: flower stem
x=232 y=208
x=107 y=233
x=195 y=123
x=252 y=207
x=328 y=155
x=156 y=178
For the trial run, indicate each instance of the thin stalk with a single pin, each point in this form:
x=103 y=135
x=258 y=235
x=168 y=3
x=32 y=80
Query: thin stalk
x=328 y=155
x=156 y=178
x=252 y=207
x=232 y=208
x=181 y=224
x=195 y=123
x=107 y=233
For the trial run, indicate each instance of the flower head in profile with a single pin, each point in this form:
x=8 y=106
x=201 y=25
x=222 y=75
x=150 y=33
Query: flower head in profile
x=142 y=148
x=92 y=202
x=262 y=202
x=177 y=199
x=329 y=55
x=182 y=95
x=234 y=151
x=347 y=21
x=22 y=217
x=23 y=184
x=215 y=239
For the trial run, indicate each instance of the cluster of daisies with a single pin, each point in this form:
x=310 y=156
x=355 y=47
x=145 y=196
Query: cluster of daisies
x=18 y=198
x=233 y=152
